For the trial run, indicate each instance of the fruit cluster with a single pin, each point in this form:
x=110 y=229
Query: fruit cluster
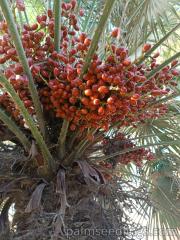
x=112 y=90
x=20 y=84
x=119 y=143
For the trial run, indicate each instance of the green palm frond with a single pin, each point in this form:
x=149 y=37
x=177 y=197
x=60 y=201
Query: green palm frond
x=34 y=8
x=97 y=35
x=57 y=14
x=159 y=210
x=146 y=20
x=164 y=129
x=161 y=176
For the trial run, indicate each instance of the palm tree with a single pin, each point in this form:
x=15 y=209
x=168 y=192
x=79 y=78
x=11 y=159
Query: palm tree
x=83 y=155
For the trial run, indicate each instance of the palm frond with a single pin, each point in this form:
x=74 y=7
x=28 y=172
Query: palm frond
x=99 y=30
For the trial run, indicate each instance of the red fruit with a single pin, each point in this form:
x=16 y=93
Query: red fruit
x=88 y=92
x=112 y=69
x=79 y=70
x=108 y=165
x=9 y=73
x=1 y=50
x=122 y=52
x=44 y=18
x=80 y=47
x=50 y=13
x=61 y=85
x=43 y=24
x=89 y=83
x=105 y=127
x=72 y=109
x=73 y=3
x=81 y=12
x=84 y=111
x=45 y=73
x=68 y=6
x=18 y=68
x=85 y=101
x=126 y=62
x=146 y=47
x=107 y=176
x=123 y=90
x=96 y=101
x=16 y=114
x=64 y=6
x=87 y=42
x=3 y=26
x=156 y=55
x=111 y=108
x=95 y=88
x=117 y=80
x=75 y=92
x=82 y=37
x=111 y=59
x=72 y=100
x=115 y=33
x=174 y=63
x=11 y=51
x=38 y=18
x=73 y=51
x=27 y=103
x=136 y=96
x=34 y=26
x=101 y=111
x=133 y=101
x=110 y=100
x=158 y=92
x=72 y=127
x=175 y=72
x=103 y=89
x=104 y=77
x=20 y=5
x=56 y=72
x=2 y=60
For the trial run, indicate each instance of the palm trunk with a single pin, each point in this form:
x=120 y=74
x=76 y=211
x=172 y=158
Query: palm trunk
x=90 y=214
x=86 y=218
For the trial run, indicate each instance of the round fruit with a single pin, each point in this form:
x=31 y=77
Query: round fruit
x=103 y=89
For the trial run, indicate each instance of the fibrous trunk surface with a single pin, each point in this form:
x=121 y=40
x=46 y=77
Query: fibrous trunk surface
x=90 y=211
